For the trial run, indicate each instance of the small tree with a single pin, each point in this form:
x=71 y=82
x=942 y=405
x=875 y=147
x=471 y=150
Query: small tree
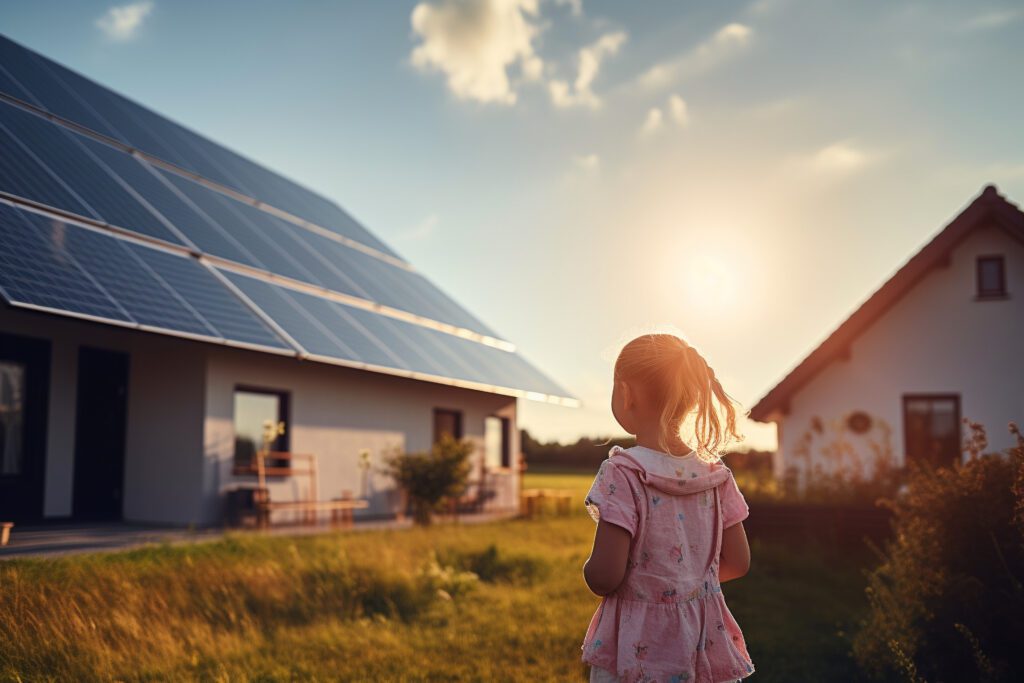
x=430 y=479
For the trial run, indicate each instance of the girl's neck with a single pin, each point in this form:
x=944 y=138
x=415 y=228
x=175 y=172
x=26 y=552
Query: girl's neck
x=649 y=439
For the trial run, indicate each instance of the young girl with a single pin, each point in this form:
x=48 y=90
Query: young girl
x=669 y=526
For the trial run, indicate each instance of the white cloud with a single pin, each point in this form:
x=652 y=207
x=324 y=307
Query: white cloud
x=679 y=111
x=590 y=163
x=421 y=231
x=124 y=21
x=723 y=45
x=581 y=92
x=653 y=122
x=841 y=158
x=994 y=19
x=476 y=43
x=575 y=6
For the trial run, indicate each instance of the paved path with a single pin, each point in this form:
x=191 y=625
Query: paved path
x=53 y=540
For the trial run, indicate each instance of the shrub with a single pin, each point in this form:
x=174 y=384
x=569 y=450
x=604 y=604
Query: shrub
x=493 y=566
x=947 y=601
x=430 y=479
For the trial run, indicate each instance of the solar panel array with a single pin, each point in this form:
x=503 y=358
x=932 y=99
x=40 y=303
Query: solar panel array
x=118 y=214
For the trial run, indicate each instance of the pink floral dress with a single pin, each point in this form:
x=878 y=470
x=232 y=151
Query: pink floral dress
x=667 y=620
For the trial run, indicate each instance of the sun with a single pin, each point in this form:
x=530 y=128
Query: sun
x=710 y=282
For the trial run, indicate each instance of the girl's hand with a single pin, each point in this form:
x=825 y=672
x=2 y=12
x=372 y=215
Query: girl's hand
x=606 y=567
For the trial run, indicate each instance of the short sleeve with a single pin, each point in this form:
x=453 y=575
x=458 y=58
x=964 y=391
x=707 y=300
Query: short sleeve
x=611 y=498
x=734 y=506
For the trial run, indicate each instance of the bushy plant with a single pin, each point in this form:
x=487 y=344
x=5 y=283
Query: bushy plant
x=430 y=479
x=495 y=566
x=947 y=603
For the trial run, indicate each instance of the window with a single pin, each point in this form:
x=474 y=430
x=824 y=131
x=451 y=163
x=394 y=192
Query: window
x=253 y=409
x=12 y=398
x=447 y=422
x=932 y=426
x=991 y=277
x=497 y=450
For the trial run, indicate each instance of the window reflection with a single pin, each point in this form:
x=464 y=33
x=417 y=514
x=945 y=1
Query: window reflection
x=253 y=409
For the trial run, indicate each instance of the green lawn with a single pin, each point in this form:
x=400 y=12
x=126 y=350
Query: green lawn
x=376 y=606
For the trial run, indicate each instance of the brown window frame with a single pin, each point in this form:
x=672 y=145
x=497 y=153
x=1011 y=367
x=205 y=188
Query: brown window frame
x=990 y=294
x=955 y=398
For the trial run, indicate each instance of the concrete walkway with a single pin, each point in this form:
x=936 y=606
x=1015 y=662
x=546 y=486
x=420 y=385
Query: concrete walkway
x=54 y=540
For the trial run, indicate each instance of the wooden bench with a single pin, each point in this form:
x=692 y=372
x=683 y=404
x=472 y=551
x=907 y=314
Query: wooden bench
x=5 y=532
x=532 y=501
x=341 y=510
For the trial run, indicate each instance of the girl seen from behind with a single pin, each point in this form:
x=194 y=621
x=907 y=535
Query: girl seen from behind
x=669 y=526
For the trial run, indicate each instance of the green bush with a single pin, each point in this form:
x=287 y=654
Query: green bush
x=431 y=479
x=493 y=566
x=947 y=602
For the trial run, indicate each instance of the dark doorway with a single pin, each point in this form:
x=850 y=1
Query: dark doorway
x=24 y=388
x=447 y=422
x=100 y=434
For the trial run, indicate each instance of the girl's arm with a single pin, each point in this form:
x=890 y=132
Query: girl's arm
x=606 y=567
x=734 y=561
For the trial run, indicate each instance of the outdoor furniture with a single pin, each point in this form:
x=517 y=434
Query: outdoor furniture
x=340 y=508
x=473 y=502
x=311 y=507
x=5 y=532
x=532 y=501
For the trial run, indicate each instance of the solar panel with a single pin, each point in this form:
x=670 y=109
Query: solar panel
x=9 y=86
x=72 y=96
x=335 y=330
x=303 y=328
x=44 y=88
x=37 y=270
x=55 y=147
x=206 y=295
x=258 y=231
x=125 y=278
x=23 y=175
x=366 y=347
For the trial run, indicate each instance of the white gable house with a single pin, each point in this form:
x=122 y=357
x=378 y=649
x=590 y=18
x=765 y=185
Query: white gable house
x=941 y=340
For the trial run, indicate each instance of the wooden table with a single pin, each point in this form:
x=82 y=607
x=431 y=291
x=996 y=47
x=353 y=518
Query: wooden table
x=532 y=501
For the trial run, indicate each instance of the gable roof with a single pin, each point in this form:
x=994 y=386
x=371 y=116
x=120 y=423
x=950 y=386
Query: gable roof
x=988 y=208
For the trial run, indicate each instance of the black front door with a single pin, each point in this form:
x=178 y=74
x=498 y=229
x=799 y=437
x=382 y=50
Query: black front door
x=24 y=387
x=100 y=434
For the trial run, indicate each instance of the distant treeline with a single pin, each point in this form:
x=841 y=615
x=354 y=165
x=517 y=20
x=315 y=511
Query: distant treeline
x=588 y=452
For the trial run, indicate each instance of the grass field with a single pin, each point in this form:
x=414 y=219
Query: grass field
x=382 y=605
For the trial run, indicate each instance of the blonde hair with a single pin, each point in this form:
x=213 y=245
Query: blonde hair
x=680 y=380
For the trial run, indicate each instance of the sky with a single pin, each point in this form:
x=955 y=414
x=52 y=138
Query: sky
x=577 y=172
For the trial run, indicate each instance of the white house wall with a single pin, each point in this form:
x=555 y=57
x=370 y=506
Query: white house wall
x=936 y=339
x=335 y=413
x=164 y=437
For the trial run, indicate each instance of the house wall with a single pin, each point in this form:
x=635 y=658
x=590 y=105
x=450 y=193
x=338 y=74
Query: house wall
x=335 y=413
x=164 y=417
x=936 y=339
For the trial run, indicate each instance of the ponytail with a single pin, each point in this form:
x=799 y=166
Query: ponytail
x=687 y=389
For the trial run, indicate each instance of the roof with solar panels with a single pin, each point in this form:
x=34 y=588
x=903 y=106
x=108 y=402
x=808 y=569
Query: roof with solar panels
x=113 y=213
